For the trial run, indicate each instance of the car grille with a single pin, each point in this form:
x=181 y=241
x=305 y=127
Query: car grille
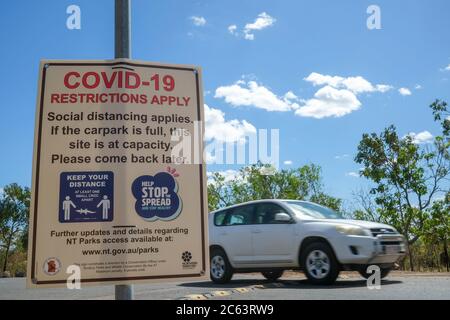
x=390 y=243
x=377 y=231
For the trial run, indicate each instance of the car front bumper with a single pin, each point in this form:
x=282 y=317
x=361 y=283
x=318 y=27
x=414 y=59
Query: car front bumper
x=382 y=249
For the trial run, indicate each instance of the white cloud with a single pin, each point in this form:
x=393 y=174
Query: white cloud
x=249 y=36
x=229 y=175
x=338 y=96
x=421 y=137
x=355 y=84
x=404 y=91
x=232 y=29
x=447 y=68
x=209 y=157
x=341 y=156
x=383 y=88
x=250 y=93
x=198 y=21
x=329 y=102
x=417 y=87
x=288 y=162
x=268 y=170
x=290 y=96
x=318 y=79
x=261 y=22
x=358 y=84
x=216 y=127
x=353 y=174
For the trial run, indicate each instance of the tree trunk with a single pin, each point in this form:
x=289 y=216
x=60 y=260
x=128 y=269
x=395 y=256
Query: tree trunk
x=447 y=263
x=411 y=264
x=8 y=246
x=402 y=265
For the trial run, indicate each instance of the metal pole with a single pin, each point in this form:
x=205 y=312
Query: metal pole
x=122 y=49
x=124 y=292
x=122 y=29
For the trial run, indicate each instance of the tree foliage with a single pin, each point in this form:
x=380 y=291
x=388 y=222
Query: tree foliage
x=437 y=227
x=408 y=176
x=14 y=212
x=260 y=181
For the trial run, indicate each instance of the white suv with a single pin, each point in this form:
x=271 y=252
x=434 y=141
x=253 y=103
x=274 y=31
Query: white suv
x=271 y=236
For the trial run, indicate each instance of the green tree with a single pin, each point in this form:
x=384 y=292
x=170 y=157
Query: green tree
x=437 y=228
x=407 y=176
x=14 y=212
x=261 y=181
x=366 y=207
x=219 y=192
x=442 y=114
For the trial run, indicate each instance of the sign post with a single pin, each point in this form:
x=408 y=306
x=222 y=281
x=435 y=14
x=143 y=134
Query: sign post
x=119 y=184
x=122 y=49
x=122 y=29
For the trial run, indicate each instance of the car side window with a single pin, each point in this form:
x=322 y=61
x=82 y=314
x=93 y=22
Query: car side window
x=240 y=216
x=265 y=213
x=219 y=218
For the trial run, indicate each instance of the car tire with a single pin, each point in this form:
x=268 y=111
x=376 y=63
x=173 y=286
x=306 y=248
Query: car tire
x=383 y=272
x=320 y=264
x=220 y=269
x=272 y=275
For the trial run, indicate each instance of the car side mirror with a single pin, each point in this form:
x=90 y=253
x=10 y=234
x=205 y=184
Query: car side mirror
x=282 y=217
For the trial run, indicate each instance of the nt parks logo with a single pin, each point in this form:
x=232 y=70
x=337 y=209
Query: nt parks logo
x=187 y=262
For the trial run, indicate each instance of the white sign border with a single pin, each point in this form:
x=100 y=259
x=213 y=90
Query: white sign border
x=32 y=281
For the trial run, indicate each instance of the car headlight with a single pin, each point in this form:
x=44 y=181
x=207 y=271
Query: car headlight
x=352 y=230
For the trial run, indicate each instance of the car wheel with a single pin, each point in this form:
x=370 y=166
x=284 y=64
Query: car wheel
x=220 y=270
x=272 y=275
x=383 y=272
x=320 y=264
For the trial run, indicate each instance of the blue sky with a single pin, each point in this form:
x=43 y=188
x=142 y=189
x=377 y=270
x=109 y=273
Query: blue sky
x=296 y=45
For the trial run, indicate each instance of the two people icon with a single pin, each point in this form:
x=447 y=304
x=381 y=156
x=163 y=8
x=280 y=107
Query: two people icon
x=67 y=204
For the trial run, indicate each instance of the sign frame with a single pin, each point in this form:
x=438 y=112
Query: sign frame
x=32 y=281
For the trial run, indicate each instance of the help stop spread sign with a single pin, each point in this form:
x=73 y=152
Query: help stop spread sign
x=118 y=180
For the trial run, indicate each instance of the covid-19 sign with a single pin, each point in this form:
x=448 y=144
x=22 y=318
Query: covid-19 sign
x=119 y=186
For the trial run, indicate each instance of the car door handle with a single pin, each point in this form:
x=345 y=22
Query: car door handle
x=223 y=233
x=256 y=231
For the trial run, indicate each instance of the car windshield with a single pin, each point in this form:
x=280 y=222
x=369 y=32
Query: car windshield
x=313 y=210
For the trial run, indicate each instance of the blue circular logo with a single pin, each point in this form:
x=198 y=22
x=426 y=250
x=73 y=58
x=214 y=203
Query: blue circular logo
x=157 y=197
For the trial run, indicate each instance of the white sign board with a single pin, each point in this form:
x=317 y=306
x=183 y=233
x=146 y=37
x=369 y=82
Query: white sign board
x=119 y=187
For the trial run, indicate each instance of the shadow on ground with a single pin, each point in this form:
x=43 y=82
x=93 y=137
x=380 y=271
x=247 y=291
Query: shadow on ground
x=285 y=284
